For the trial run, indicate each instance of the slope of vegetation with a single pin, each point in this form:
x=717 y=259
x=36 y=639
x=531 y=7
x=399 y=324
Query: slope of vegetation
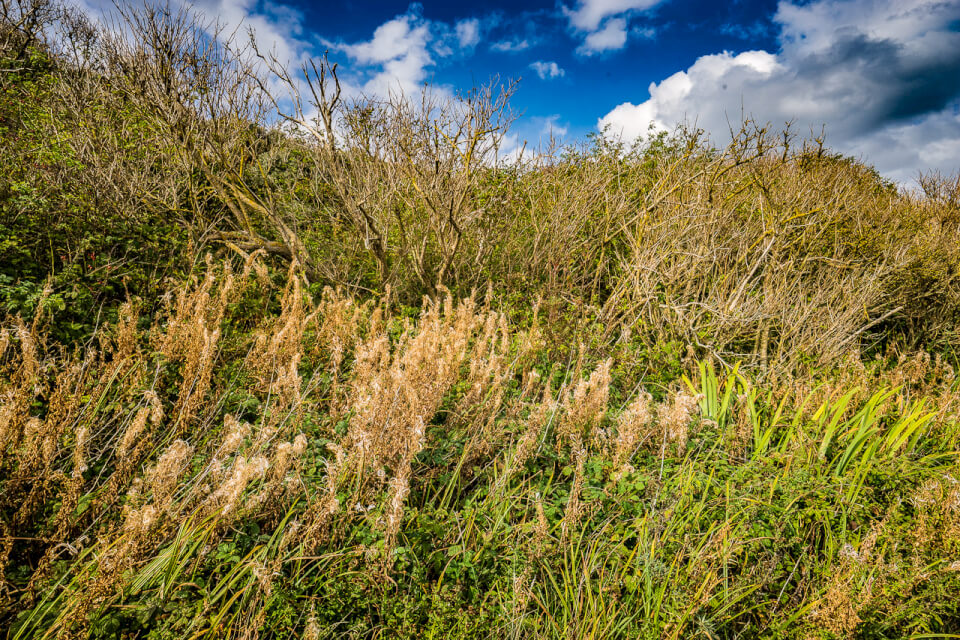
x=264 y=374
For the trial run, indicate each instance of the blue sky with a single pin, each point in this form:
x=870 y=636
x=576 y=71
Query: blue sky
x=883 y=76
x=536 y=43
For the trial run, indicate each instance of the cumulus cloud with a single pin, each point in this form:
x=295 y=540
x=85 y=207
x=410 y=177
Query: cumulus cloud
x=588 y=14
x=882 y=75
x=511 y=46
x=674 y=98
x=401 y=52
x=604 y=22
x=468 y=33
x=553 y=127
x=612 y=36
x=547 y=70
x=399 y=48
x=275 y=27
x=391 y=40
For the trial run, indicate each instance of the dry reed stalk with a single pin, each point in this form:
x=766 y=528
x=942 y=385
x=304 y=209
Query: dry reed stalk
x=21 y=388
x=673 y=420
x=341 y=321
x=583 y=408
x=136 y=442
x=488 y=368
x=140 y=529
x=533 y=427
x=165 y=475
x=48 y=443
x=281 y=476
x=320 y=512
x=574 y=508
x=393 y=394
x=191 y=337
x=5 y=341
x=278 y=348
x=857 y=578
x=125 y=335
x=937 y=502
x=633 y=431
x=535 y=423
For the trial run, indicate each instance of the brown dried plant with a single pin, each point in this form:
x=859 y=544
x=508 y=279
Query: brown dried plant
x=583 y=408
x=674 y=420
x=633 y=431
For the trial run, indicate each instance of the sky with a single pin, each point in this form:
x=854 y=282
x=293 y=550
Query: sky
x=881 y=77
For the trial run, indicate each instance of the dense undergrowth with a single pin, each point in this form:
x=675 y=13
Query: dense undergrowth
x=365 y=380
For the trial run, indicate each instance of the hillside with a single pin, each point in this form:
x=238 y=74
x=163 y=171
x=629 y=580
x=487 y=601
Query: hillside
x=277 y=362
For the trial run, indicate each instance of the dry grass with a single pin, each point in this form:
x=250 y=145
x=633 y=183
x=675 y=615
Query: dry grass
x=144 y=452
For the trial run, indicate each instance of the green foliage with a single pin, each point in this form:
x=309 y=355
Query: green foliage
x=61 y=226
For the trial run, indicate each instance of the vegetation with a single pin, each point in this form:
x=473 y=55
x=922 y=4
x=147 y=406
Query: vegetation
x=264 y=374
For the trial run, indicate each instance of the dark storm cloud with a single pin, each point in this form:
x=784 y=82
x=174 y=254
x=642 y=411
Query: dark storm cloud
x=883 y=76
x=907 y=84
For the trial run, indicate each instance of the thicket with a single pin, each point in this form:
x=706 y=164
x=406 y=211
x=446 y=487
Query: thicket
x=279 y=361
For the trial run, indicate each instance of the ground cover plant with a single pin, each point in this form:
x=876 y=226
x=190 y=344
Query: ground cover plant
x=266 y=376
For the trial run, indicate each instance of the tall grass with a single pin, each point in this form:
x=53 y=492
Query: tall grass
x=207 y=478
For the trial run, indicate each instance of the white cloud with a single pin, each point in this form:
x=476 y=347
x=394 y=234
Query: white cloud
x=402 y=51
x=391 y=40
x=605 y=23
x=882 y=75
x=547 y=70
x=807 y=29
x=902 y=151
x=468 y=33
x=612 y=36
x=512 y=149
x=671 y=100
x=648 y=33
x=552 y=127
x=399 y=48
x=588 y=14
x=511 y=46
